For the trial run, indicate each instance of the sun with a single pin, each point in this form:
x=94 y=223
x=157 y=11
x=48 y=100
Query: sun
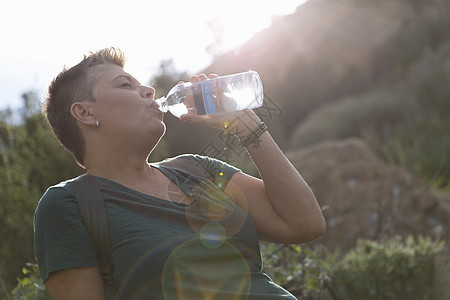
x=232 y=27
x=234 y=22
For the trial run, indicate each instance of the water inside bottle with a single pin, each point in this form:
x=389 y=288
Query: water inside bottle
x=178 y=109
x=243 y=97
x=168 y=104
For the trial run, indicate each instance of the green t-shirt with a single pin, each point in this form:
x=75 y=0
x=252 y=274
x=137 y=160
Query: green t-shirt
x=162 y=249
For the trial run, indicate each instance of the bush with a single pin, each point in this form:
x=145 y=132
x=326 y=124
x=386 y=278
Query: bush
x=31 y=159
x=298 y=269
x=392 y=269
x=31 y=286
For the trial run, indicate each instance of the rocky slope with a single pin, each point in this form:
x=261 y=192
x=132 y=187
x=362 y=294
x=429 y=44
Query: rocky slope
x=364 y=198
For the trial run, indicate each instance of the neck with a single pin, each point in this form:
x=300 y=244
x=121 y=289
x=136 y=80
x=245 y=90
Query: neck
x=119 y=156
x=121 y=170
x=123 y=165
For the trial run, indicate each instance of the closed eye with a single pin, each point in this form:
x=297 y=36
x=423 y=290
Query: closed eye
x=125 y=81
x=125 y=85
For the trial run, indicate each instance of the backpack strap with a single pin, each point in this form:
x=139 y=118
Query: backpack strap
x=93 y=215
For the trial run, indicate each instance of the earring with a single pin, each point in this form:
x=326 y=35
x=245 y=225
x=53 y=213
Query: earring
x=97 y=123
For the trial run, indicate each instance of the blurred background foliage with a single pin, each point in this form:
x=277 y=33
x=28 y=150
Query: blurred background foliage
x=334 y=69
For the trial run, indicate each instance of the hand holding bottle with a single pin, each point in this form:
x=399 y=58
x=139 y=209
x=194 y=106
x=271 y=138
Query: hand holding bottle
x=189 y=102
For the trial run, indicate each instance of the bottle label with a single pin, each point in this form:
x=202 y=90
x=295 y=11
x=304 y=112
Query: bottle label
x=208 y=98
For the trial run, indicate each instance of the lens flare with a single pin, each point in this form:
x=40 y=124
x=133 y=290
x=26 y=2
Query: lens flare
x=212 y=235
x=213 y=275
x=221 y=210
x=139 y=268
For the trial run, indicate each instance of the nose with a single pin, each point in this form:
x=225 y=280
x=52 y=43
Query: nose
x=147 y=92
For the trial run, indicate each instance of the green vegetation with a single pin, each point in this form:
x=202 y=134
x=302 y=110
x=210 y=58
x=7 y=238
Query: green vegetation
x=25 y=172
x=30 y=287
x=392 y=269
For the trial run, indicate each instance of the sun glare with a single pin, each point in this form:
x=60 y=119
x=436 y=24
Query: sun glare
x=231 y=29
x=235 y=22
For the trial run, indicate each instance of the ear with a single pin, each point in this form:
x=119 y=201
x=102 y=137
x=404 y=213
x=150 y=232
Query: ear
x=82 y=113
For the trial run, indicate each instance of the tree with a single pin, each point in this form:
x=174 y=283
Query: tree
x=31 y=159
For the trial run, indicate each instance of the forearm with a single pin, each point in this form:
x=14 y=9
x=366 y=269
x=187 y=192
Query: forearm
x=282 y=205
x=285 y=189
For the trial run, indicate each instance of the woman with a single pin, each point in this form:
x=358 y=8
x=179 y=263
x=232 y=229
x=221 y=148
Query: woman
x=172 y=236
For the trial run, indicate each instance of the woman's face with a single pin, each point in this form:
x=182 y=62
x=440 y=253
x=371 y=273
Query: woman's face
x=124 y=107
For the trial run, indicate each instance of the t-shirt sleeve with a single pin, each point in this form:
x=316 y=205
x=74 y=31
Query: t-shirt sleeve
x=219 y=172
x=60 y=239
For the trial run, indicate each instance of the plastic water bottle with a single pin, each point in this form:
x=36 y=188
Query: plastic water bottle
x=216 y=95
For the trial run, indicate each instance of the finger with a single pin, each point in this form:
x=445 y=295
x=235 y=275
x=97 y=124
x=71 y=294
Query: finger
x=221 y=121
x=202 y=77
x=213 y=75
x=194 y=78
x=195 y=119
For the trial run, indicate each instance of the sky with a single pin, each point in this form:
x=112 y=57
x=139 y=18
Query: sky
x=39 y=37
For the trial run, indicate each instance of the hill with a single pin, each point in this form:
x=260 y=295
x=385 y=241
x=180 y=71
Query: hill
x=329 y=50
x=355 y=68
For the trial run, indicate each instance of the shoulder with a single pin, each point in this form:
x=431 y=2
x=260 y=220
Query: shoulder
x=186 y=158
x=57 y=199
x=215 y=170
x=60 y=239
x=200 y=165
x=62 y=190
